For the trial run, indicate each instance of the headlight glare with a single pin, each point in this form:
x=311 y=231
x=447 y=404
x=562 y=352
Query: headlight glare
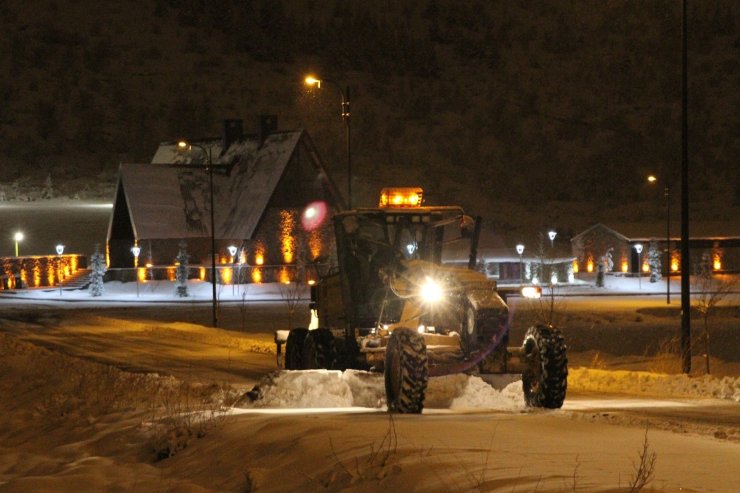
x=431 y=291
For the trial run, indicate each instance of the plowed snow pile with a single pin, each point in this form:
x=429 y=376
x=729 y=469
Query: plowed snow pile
x=352 y=388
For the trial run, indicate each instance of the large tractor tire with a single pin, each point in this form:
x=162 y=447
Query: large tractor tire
x=546 y=377
x=294 y=349
x=406 y=371
x=318 y=350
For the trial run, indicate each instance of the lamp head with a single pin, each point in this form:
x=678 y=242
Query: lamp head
x=638 y=248
x=232 y=250
x=313 y=81
x=60 y=249
x=652 y=179
x=520 y=249
x=552 y=235
x=136 y=250
x=18 y=236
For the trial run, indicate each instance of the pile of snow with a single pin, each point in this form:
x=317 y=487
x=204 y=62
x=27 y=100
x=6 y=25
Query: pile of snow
x=660 y=384
x=354 y=388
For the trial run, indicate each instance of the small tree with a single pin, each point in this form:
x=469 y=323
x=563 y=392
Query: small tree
x=98 y=267
x=181 y=273
x=709 y=292
x=654 y=262
x=600 y=275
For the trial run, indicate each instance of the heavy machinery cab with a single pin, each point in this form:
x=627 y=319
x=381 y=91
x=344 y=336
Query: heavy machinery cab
x=375 y=244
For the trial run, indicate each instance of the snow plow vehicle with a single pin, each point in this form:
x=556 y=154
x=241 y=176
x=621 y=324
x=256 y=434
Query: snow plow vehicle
x=393 y=306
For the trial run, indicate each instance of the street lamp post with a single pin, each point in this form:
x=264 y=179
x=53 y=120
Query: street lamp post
x=667 y=196
x=136 y=250
x=520 y=251
x=638 y=248
x=345 y=95
x=60 y=251
x=18 y=237
x=187 y=146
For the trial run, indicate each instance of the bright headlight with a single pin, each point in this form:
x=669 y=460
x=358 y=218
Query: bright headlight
x=431 y=291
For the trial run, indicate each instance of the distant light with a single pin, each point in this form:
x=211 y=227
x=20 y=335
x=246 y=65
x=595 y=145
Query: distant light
x=18 y=236
x=60 y=249
x=652 y=179
x=533 y=292
x=232 y=250
x=520 y=249
x=183 y=146
x=136 y=250
x=638 y=248
x=552 y=235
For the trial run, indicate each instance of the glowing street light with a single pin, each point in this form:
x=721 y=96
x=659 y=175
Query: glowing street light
x=552 y=234
x=60 y=251
x=520 y=251
x=652 y=179
x=184 y=146
x=18 y=237
x=136 y=250
x=345 y=95
x=638 y=249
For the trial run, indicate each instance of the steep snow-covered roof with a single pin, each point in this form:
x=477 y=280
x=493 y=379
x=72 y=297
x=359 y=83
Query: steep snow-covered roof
x=169 y=198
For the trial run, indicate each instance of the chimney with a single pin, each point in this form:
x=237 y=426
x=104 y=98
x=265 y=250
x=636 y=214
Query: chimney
x=265 y=126
x=233 y=132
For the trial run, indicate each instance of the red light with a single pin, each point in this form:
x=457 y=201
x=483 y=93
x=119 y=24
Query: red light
x=314 y=215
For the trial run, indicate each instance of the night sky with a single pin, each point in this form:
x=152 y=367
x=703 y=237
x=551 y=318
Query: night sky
x=497 y=105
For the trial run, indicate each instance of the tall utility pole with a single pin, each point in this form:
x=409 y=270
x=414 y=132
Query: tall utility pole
x=685 y=263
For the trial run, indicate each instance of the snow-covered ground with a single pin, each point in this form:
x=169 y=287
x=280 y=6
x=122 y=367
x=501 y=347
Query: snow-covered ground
x=92 y=390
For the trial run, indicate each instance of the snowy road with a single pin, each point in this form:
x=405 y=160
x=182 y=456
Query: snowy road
x=469 y=438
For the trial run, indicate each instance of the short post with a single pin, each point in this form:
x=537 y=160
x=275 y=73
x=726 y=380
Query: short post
x=232 y=252
x=638 y=248
x=60 y=251
x=136 y=250
x=520 y=251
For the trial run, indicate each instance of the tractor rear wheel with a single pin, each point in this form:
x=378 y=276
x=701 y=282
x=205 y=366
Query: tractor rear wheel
x=406 y=371
x=294 y=349
x=546 y=377
x=318 y=350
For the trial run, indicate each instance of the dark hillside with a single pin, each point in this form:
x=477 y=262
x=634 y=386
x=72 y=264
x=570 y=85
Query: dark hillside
x=478 y=101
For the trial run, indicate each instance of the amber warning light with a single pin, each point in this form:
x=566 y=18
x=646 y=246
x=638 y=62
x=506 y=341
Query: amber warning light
x=401 y=197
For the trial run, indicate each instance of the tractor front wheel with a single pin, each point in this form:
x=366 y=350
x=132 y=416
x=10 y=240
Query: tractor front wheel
x=318 y=350
x=294 y=349
x=406 y=371
x=546 y=378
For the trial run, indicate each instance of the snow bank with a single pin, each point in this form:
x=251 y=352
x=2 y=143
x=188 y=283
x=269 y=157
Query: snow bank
x=657 y=384
x=353 y=388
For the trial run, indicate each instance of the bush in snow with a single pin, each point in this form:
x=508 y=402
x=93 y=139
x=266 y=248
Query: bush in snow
x=98 y=267
x=654 y=262
x=181 y=273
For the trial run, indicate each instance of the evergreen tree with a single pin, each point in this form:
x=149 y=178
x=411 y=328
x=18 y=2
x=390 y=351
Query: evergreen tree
x=600 y=267
x=98 y=267
x=182 y=271
x=654 y=262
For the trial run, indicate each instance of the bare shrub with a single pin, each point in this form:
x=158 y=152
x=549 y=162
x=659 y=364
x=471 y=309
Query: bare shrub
x=382 y=460
x=184 y=413
x=666 y=358
x=644 y=468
